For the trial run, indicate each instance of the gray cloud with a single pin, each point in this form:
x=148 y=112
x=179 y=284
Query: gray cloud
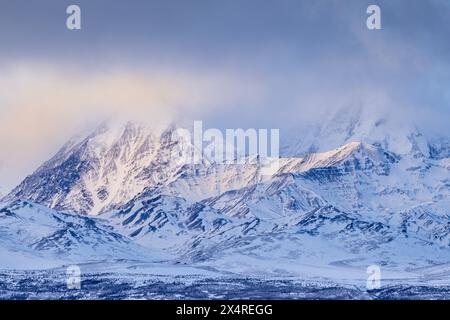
x=253 y=63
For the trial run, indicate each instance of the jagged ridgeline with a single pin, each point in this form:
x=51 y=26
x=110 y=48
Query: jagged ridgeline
x=349 y=192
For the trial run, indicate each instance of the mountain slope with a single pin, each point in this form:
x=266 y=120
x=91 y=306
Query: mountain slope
x=101 y=171
x=33 y=232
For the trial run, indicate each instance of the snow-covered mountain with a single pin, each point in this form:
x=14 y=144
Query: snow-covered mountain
x=115 y=163
x=33 y=236
x=357 y=124
x=350 y=198
x=103 y=170
x=354 y=189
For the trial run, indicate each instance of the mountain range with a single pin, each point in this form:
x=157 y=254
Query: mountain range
x=351 y=191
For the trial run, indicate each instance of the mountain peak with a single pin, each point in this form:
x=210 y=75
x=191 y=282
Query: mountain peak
x=119 y=161
x=360 y=151
x=370 y=126
x=100 y=171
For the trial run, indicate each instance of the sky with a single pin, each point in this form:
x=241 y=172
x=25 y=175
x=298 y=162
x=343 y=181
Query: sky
x=234 y=63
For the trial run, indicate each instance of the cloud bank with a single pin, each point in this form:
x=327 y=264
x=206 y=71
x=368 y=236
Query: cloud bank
x=43 y=106
x=254 y=64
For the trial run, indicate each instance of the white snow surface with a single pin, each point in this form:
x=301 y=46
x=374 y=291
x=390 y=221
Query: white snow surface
x=349 y=193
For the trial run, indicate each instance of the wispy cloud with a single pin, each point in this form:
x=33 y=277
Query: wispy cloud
x=42 y=106
x=274 y=63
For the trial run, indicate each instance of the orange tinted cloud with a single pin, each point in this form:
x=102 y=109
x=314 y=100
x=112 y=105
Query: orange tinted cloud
x=41 y=107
